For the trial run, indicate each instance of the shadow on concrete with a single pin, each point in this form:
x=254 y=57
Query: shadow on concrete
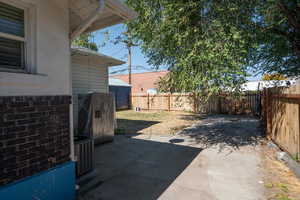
x=133 y=127
x=233 y=131
x=135 y=169
x=193 y=117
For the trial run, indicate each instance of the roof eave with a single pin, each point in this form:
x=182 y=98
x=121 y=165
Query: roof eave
x=121 y=14
x=107 y=60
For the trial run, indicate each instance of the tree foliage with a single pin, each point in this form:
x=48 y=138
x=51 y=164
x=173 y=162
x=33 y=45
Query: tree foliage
x=85 y=40
x=209 y=45
x=203 y=49
x=277 y=26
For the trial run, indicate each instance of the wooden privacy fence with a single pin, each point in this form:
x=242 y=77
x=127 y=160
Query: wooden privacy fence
x=247 y=103
x=281 y=114
x=170 y=102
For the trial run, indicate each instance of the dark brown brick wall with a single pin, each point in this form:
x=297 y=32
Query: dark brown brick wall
x=34 y=135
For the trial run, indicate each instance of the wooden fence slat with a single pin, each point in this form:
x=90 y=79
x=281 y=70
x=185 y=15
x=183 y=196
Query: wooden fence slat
x=223 y=103
x=281 y=112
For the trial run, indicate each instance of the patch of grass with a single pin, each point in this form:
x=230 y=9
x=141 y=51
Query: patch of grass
x=283 y=187
x=269 y=185
x=159 y=115
x=296 y=157
x=154 y=122
x=282 y=197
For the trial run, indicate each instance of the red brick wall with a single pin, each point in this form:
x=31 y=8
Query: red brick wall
x=143 y=81
x=34 y=135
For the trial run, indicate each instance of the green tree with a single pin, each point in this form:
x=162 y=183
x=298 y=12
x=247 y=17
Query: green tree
x=200 y=41
x=277 y=27
x=209 y=45
x=85 y=40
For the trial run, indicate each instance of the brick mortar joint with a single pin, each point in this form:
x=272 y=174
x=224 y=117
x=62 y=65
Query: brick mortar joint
x=36 y=143
x=66 y=99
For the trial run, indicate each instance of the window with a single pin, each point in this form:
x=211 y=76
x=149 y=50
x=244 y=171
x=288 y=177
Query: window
x=12 y=38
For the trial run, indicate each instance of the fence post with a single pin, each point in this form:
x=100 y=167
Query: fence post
x=169 y=102
x=148 y=102
x=271 y=112
x=299 y=128
x=219 y=104
x=195 y=103
x=268 y=114
x=130 y=101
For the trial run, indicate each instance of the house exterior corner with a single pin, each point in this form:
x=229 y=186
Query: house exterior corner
x=35 y=101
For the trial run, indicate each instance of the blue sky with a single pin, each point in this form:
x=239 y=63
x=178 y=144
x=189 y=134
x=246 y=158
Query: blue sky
x=139 y=61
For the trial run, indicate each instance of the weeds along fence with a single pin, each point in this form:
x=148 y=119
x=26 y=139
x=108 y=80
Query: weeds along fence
x=281 y=114
x=247 y=103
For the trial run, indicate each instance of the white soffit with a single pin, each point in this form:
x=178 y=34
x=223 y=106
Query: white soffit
x=113 y=13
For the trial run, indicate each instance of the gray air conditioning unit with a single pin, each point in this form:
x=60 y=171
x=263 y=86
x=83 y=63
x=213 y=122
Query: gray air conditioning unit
x=96 y=122
x=97 y=116
x=84 y=151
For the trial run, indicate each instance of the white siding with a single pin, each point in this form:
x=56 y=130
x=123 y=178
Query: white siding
x=87 y=77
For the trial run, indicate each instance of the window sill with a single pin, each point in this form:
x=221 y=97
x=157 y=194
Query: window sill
x=2 y=71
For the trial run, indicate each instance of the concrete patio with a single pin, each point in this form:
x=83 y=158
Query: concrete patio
x=217 y=159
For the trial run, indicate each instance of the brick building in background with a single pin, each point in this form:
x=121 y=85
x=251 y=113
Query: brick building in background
x=142 y=82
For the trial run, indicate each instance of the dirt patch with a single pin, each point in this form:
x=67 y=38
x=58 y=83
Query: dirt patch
x=154 y=122
x=279 y=180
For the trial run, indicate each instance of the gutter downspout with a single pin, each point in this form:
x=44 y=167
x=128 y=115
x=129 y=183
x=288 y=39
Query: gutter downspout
x=80 y=29
x=83 y=26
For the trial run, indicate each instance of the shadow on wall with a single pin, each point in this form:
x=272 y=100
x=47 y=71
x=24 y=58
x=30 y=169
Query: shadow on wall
x=134 y=169
x=225 y=131
x=133 y=127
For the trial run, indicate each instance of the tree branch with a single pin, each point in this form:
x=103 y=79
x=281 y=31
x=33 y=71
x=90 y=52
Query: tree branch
x=290 y=15
x=298 y=8
x=282 y=33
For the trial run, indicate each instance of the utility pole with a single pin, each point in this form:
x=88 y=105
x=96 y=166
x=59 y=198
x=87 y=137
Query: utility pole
x=127 y=40
x=129 y=65
x=129 y=44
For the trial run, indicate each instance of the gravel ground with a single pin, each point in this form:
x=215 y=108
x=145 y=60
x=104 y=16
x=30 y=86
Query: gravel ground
x=279 y=181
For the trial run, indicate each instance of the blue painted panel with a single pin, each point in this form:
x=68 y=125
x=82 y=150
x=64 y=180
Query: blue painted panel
x=122 y=95
x=54 y=184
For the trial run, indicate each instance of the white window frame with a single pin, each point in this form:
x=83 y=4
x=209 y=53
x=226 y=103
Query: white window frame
x=29 y=38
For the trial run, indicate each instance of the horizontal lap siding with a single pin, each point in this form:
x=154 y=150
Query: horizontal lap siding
x=89 y=78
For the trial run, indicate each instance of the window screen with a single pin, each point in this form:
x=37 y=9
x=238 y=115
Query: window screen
x=11 y=54
x=12 y=37
x=11 y=20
